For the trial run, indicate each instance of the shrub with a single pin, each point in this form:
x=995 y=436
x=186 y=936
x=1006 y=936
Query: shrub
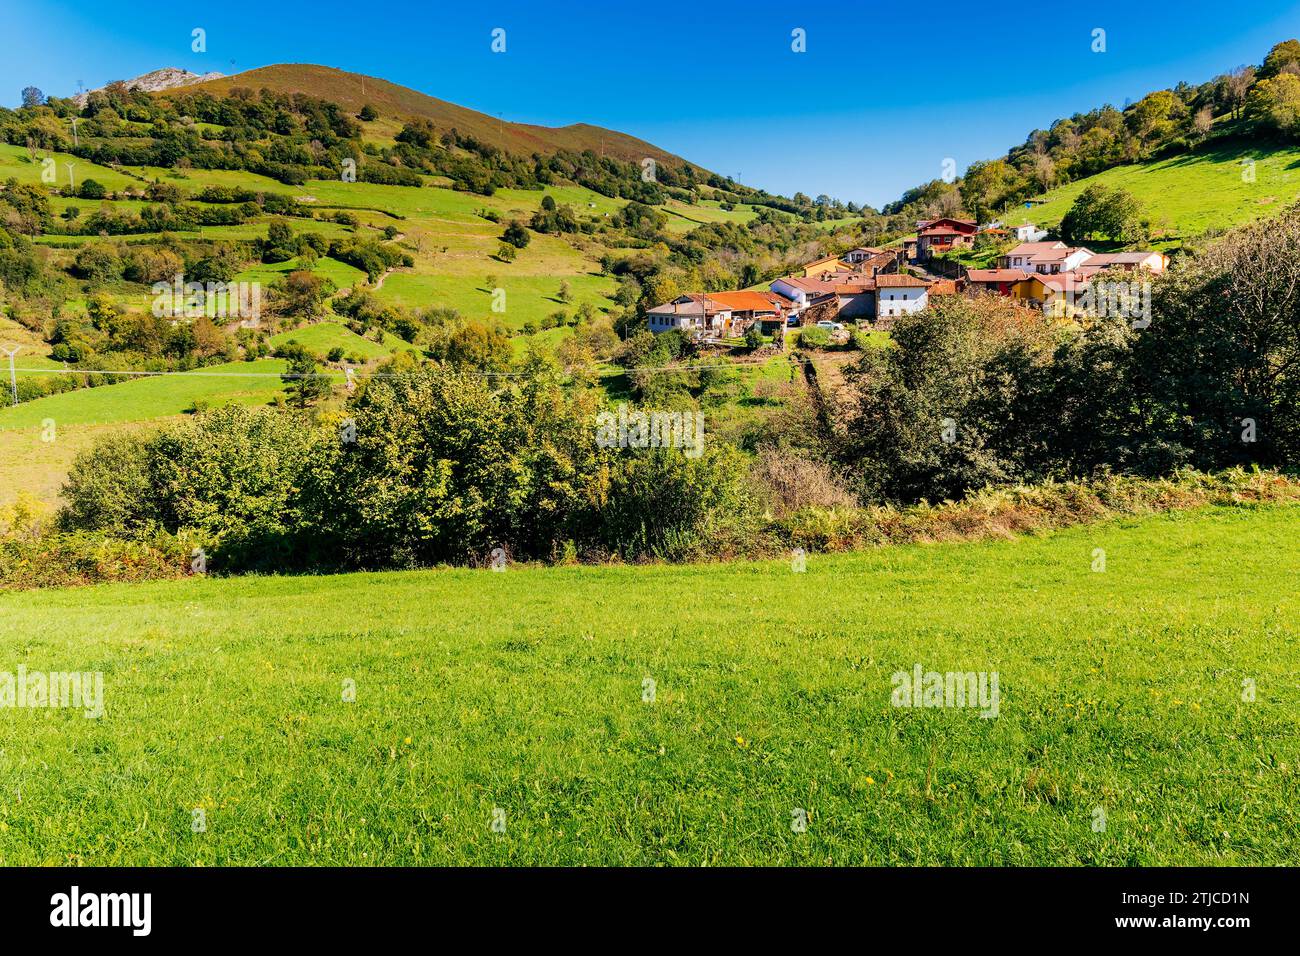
x=516 y=235
x=814 y=337
x=233 y=476
x=664 y=504
x=96 y=263
x=787 y=482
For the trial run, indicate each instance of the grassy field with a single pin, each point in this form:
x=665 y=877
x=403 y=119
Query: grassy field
x=143 y=398
x=35 y=468
x=1190 y=193
x=323 y=336
x=526 y=692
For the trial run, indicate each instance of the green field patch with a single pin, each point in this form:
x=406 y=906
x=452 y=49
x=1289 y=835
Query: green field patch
x=147 y=397
x=529 y=298
x=1191 y=193
x=680 y=715
x=321 y=337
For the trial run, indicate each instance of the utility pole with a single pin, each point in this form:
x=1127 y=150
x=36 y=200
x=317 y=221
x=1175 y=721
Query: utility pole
x=13 y=375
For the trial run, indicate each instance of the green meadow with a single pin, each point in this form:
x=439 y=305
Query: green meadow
x=666 y=715
x=151 y=396
x=529 y=298
x=321 y=337
x=1190 y=193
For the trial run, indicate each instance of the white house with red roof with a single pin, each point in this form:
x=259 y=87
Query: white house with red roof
x=1045 y=258
x=900 y=295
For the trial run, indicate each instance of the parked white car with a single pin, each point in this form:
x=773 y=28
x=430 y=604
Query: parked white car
x=830 y=326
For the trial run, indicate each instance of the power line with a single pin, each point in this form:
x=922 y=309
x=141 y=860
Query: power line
x=343 y=375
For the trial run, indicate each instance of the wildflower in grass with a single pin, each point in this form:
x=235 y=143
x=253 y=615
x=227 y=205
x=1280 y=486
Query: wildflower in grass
x=870 y=781
x=741 y=741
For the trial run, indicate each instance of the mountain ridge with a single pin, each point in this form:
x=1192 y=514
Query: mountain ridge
x=392 y=100
x=155 y=81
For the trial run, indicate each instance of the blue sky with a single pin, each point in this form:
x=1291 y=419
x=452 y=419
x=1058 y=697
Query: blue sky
x=881 y=97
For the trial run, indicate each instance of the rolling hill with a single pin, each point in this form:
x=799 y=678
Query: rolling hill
x=354 y=90
x=1190 y=193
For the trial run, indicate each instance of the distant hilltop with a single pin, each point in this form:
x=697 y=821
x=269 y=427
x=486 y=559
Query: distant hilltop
x=167 y=78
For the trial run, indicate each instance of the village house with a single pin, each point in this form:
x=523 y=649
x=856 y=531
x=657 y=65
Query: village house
x=1155 y=262
x=803 y=292
x=884 y=261
x=820 y=267
x=749 y=307
x=1056 y=261
x=1028 y=233
x=996 y=281
x=855 y=256
x=899 y=295
x=1045 y=258
x=692 y=312
x=1051 y=293
x=856 y=298
x=942 y=235
x=1018 y=258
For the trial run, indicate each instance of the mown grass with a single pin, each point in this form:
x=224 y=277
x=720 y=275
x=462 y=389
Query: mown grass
x=30 y=466
x=524 y=691
x=1190 y=193
x=147 y=397
x=321 y=337
x=529 y=298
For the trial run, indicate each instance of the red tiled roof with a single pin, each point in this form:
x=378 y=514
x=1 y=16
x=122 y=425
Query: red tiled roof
x=816 y=286
x=963 y=225
x=899 y=282
x=744 y=301
x=1033 y=248
x=997 y=275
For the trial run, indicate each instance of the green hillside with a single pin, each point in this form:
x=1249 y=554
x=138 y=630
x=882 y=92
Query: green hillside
x=354 y=90
x=322 y=337
x=1184 y=196
x=145 y=397
x=530 y=691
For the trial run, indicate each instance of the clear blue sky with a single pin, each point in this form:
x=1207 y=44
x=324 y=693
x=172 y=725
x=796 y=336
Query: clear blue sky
x=882 y=96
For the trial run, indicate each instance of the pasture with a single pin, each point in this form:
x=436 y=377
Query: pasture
x=667 y=715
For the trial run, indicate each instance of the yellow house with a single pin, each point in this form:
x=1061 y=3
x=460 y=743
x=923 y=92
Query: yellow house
x=1054 y=294
x=814 y=270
